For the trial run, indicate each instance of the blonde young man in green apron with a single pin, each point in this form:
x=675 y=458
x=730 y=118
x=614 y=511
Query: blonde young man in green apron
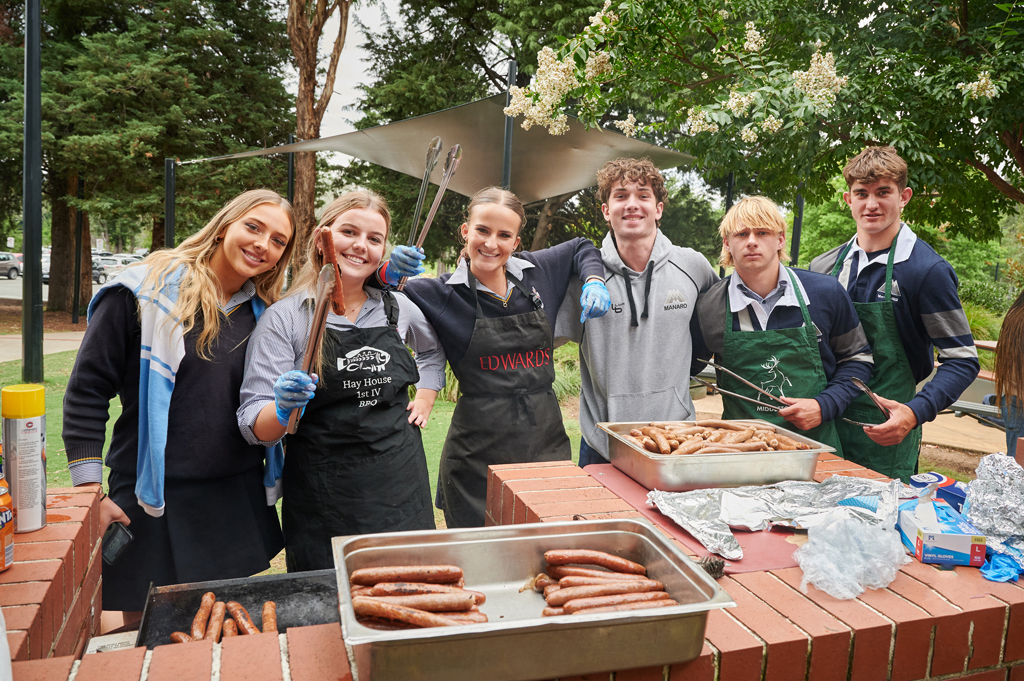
x=794 y=333
x=906 y=297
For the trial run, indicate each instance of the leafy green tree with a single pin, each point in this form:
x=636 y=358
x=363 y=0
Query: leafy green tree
x=689 y=220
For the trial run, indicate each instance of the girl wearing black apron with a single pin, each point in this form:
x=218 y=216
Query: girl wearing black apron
x=191 y=489
x=494 y=318
x=356 y=464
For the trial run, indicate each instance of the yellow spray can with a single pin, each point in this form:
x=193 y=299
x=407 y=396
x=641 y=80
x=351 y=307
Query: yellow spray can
x=24 y=454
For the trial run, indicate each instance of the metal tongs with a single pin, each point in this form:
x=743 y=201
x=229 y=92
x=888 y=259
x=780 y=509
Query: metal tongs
x=747 y=383
x=715 y=389
x=450 y=165
x=863 y=387
x=324 y=286
x=433 y=153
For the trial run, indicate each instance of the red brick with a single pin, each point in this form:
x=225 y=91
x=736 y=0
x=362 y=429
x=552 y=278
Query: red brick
x=600 y=516
x=252 y=658
x=29 y=618
x=488 y=520
x=740 y=653
x=318 y=652
x=498 y=475
x=787 y=645
x=952 y=629
x=192 y=662
x=830 y=638
x=18 y=642
x=837 y=465
x=67 y=514
x=558 y=519
x=52 y=669
x=96 y=609
x=74 y=625
x=993 y=675
x=971 y=585
x=913 y=633
x=47 y=550
x=1017 y=672
x=84 y=489
x=54 y=532
x=535 y=514
x=36 y=571
x=512 y=487
x=117 y=665
x=828 y=456
x=23 y=594
x=986 y=613
x=523 y=500
x=872 y=633
x=641 y=674
x=700 y=669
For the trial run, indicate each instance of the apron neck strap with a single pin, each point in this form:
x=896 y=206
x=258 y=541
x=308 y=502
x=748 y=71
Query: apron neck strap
x=744 y=315
x=391 y=308
x=840 y=267
x=799 y=297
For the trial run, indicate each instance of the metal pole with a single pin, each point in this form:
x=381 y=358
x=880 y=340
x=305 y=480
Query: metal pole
x=730 y=183
x=169 y=202
x=32 y=205
x=798 y=223
x=506 y=161
x=79 y=221
x=291 y=171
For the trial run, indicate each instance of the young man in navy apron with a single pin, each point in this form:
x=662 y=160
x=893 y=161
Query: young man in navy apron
x=792 y=332
x=906 y=297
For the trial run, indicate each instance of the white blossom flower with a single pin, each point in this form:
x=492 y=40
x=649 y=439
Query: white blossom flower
x=820 y=82
x=599 y=65
x=771 y=124
x=697 y=122
x=739 y=103
x=628 y=126
x=983 y=87
x=555 y=78
x=724 y=14
x=601 y=21
x=755 y=41
x=748 y=135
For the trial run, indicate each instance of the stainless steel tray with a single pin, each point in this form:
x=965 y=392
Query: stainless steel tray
x=517 y=644
x=681 y=473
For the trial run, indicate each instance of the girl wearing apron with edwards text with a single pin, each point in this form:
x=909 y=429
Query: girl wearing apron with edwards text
x=356 y=464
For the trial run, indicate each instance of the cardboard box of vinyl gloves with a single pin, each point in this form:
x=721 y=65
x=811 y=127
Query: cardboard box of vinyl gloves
x=935 y=533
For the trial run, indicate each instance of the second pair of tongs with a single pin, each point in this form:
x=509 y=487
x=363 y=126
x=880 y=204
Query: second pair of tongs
x=714 y=388
x=324 y=286
x=450 y=165
x=863 y=387
x=745 y=382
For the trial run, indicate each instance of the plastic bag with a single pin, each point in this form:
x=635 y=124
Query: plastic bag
x=844 y=556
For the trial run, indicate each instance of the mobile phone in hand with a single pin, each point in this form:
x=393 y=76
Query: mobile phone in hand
x=115 y=541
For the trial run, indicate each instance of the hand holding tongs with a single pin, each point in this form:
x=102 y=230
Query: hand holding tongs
x=744 y=381
x=324 y=286
x=863 y=387
x=450 y=166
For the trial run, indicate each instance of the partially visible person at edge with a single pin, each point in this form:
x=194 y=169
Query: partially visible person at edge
x=494 y=317
x=636 y=363
x=1010 y=373
x=792 y=332
x=906 y=297
x=356 y=463
x=196 y=505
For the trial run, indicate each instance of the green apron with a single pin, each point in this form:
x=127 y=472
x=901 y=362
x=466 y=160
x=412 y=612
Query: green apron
x=891 y=378
x=784 y=362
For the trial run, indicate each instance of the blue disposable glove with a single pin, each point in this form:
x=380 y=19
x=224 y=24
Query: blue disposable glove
x=595 y=300
x=291 y=390
x=405 y=261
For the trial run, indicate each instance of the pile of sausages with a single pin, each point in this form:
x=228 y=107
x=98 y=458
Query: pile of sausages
x=620 y=585
x=413 y=596
x=711 y=436
x=216 y=618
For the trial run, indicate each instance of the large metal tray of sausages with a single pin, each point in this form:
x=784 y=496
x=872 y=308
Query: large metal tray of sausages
x=517 y=644
x=684 y=472
x=302 y=598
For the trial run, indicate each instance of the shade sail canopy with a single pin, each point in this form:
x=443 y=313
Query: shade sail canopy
x=543 y=165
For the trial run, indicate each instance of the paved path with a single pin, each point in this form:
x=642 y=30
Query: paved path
x=10 y=345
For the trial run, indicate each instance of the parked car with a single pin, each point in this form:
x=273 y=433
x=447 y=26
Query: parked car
x=9 y=265
x=99 y=272
x=46 y=270
x=112 y=266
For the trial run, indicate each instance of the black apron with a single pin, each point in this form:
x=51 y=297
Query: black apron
x=507 y=413
x=356 y=465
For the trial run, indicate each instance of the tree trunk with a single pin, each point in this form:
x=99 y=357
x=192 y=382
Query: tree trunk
x=158 y=234
x=85 y=292
x=547 y=217
x=62 y=243
x=306 y=20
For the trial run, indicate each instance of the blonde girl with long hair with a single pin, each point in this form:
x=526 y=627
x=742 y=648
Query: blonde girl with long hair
x=356 y=464
x=168 y=337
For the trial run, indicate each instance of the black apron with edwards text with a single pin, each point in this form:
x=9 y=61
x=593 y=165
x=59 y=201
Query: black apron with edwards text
x=356 y=465
x=507 y=412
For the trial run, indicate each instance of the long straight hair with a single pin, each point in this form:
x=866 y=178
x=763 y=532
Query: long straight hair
x=1010 y=352
x=199 y=291
x=305 y=282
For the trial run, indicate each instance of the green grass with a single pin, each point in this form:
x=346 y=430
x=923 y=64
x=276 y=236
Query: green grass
x=925 y=465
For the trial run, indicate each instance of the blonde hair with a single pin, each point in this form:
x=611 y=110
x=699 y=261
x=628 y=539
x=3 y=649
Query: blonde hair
x=199 y=292
x=305 y=281
x=753 y=212
x=1010 y=353
x=499 y=196
x=875 y=163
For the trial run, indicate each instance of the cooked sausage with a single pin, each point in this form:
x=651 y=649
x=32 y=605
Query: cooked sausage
x=559 y=571
x=361 y=590
x=543 y=580
x=737 y=436
x=636 y=432
x=718 y=423
x=467 y=617
x=635 y=440
x=716 y=436
x=618 y=599
x=789 y=443
x=690 y=446
x=383 y=624
x=650 y=445
x=550 y=588
x=642 y=605
x=551 y=612
x=433 y=602
x=180 y=637
x=270 y=617
x=241 y=617
x=413 y=588
x=690 y=430
x=213 y=631
x=673 y=443
x=658 y=435
x=435 y=574
x=717 y=449
x=331 y=257
x=750 y=446
x=563 y=596
x=230 y=628
x=374 y=607
x=588 y=557
x=203 y=616
x=584 y=581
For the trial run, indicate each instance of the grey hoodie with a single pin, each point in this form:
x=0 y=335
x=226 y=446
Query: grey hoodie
x=641 y=372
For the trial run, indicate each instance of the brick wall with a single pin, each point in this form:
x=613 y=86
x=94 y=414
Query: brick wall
x=51 y=595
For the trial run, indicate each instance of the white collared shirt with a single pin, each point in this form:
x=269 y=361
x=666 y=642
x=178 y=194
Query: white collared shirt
x=739 y=299
x=514 y=266
x=857 y=256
